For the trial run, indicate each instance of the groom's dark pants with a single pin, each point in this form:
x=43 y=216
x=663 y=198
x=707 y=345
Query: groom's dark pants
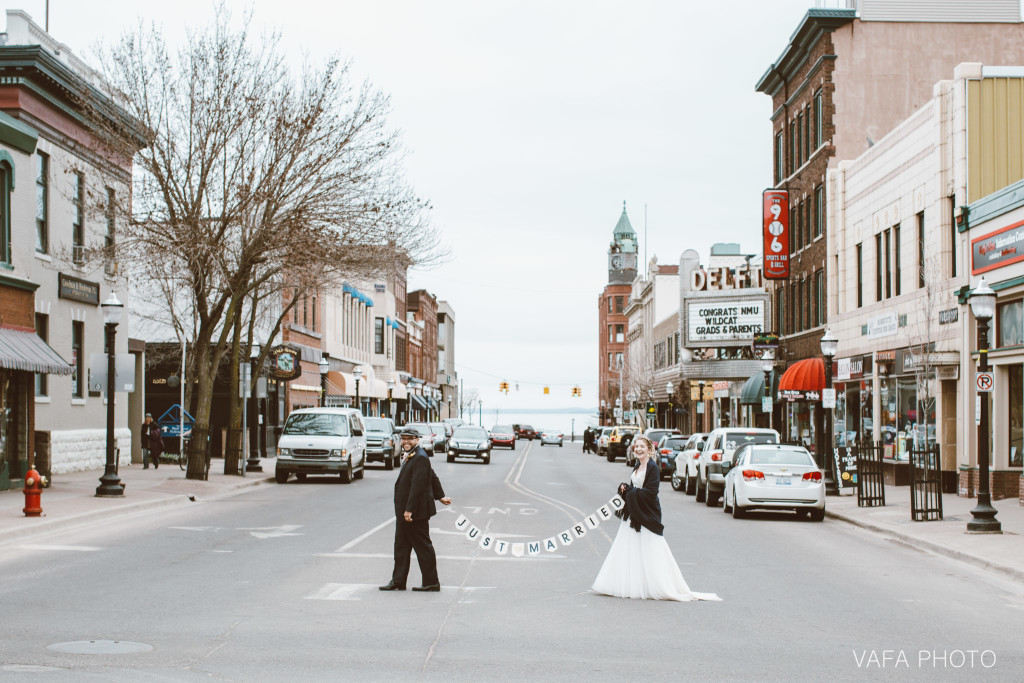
x=409 y=536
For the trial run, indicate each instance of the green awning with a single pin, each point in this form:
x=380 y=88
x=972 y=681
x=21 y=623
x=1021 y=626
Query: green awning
x=753 y=389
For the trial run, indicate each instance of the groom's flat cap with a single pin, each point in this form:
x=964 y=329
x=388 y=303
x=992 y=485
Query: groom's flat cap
x=409 y=431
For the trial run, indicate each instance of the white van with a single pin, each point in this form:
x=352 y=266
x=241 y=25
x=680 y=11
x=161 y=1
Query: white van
x=322 y=441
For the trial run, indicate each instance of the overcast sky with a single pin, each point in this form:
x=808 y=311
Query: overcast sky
x=528 y=124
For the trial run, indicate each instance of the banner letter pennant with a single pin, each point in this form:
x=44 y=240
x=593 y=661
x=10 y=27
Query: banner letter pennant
x=461 y=522
x=550 y=545
x=533 y=547
x=472 y=533
x=517 y=549
x=486 y=542
x=592 y=521
x=617 y=502
x=501 y=547
x=578 y=530
x=604 y=512
x=565 y=537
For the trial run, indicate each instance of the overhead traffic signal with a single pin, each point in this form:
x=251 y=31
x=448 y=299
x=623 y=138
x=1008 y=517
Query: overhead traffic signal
x=503 y=386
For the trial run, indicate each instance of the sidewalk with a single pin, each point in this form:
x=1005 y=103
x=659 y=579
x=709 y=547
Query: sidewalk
x=1001 y=552
x=71 y=498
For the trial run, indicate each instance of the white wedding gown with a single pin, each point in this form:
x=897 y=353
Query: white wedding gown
x=640 y=565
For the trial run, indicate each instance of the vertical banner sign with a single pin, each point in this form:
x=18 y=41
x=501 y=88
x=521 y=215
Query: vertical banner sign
x=776 y=234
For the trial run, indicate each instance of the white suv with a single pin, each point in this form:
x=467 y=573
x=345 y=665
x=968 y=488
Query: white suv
x=322 y=441
x=716 y=458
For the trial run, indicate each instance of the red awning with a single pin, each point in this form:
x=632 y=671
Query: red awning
x=803 y=376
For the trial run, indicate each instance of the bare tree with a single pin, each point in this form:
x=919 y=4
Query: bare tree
x=249 y=181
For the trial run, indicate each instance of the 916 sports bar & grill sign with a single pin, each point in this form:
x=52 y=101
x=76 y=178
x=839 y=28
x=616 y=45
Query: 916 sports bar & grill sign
x=776 y=234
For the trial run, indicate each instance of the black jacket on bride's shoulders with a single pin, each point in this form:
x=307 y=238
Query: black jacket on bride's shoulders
x=643 y=509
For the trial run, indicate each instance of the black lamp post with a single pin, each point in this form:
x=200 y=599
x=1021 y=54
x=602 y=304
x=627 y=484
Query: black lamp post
x=358 y=375
x=391 y=388
x=983 y=305
x=324 y=369
x=253 y=463
x=110 y=483
x=829 y=345
x=767 y=365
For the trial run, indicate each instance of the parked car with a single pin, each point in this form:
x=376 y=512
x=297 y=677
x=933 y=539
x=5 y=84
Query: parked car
x=503 y=435
x=774 y=478
x=454 y=422
x=321 y=441
x=716 y=458
x=470 y=441
x=381 y=444
x=669 y=448
x=526 y=432
x=426 y=436
x=685 y=475
x=655 y=435
x=602 y=440
x=551 y=436
x=619 y=441
x=440 y=436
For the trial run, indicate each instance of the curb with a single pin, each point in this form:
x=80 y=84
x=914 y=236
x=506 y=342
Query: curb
x=46 y=525
x=1012 y=572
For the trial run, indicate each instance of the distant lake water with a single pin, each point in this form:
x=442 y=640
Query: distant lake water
x=568 y=420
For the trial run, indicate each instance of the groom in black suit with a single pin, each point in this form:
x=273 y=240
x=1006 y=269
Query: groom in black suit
x=416 y=489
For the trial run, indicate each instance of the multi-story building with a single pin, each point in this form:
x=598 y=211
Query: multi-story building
x=653 y=343
x=47 y=286
x=613 y=321
x=846 y=78
x=421 y=307
x=447 y=376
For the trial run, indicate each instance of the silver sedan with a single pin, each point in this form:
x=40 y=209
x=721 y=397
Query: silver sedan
x=775 y=477
x=551 y=436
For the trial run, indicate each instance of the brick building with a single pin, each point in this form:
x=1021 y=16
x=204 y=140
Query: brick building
x=613 y=320
x=846 y=78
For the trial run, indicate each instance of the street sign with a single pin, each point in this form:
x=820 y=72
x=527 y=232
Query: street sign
x=766 y=404
x=977 y=411
x=618 y=413
x=828 y=398
x=984 y=381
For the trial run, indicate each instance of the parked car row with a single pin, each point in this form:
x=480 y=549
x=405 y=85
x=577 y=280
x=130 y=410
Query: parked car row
x=751 y=470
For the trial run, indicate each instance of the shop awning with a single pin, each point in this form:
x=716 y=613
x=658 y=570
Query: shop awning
x=418 y=401
x=341 y=383
x=753 y=389
x=26 y=351
x=803 y=376
x=376 y=388
x=399 y=393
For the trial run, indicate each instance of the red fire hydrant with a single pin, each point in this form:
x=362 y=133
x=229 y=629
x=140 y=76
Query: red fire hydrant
x=33 y=489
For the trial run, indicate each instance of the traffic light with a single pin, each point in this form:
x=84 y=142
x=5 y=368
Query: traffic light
x=503 y=386
x=576 y=391
x=547 y=390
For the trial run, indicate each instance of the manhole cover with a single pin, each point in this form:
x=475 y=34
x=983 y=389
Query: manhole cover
x=100 y=647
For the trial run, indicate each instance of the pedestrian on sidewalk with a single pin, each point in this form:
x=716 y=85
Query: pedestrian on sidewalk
x=416 y=489
x=152 y=443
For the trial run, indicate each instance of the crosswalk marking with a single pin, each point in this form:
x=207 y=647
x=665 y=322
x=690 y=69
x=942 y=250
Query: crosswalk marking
x=485 y=557
x=76 y=548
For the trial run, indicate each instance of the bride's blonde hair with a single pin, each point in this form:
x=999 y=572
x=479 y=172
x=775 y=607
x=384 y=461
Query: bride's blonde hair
x=641 y=437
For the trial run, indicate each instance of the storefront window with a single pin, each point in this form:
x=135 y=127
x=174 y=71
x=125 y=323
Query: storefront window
x=839 y=428
x=1011 y=323
x=1016 y=413
x=867 y=422
x=800 y=424
x=888 y=421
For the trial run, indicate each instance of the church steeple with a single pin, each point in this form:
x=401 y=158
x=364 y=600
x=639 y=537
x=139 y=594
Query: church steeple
x=622 y=251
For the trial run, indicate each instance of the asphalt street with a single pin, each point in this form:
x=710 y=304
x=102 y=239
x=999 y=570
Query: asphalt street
x=280 y=583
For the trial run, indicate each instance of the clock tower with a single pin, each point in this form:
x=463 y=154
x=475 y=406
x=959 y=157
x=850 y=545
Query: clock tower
x=622 y=252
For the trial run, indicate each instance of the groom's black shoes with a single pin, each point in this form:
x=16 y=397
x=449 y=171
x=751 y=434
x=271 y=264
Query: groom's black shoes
x=392 y=587
x=432 y=588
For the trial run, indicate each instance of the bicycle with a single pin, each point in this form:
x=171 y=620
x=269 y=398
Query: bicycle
x=183 y=455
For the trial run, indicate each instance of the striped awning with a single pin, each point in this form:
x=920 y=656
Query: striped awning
x=24 y=350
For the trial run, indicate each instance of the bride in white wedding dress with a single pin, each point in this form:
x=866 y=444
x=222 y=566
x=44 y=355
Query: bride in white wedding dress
x=640 y=563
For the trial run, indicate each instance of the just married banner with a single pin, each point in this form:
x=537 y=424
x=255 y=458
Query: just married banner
x=550 y=544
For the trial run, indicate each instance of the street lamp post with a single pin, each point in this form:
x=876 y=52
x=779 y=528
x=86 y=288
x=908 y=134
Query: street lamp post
x=701 y=406
x=650 y=399
x=110 y=483
x=253 y=463
x=603 y=408
x=391 y=388
x=767 y=365
x=983 y=305
x=668 y=416
x=357 y=374
x=829 y=345
x=324 y=369
x=631 y=398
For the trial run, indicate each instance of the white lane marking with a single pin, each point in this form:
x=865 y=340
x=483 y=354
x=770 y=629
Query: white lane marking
x=463 y=533
x=77 y=548
x=273 y=531
x=371 y=532
x=457 y=558
x=356 y=591
x=196 y=528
